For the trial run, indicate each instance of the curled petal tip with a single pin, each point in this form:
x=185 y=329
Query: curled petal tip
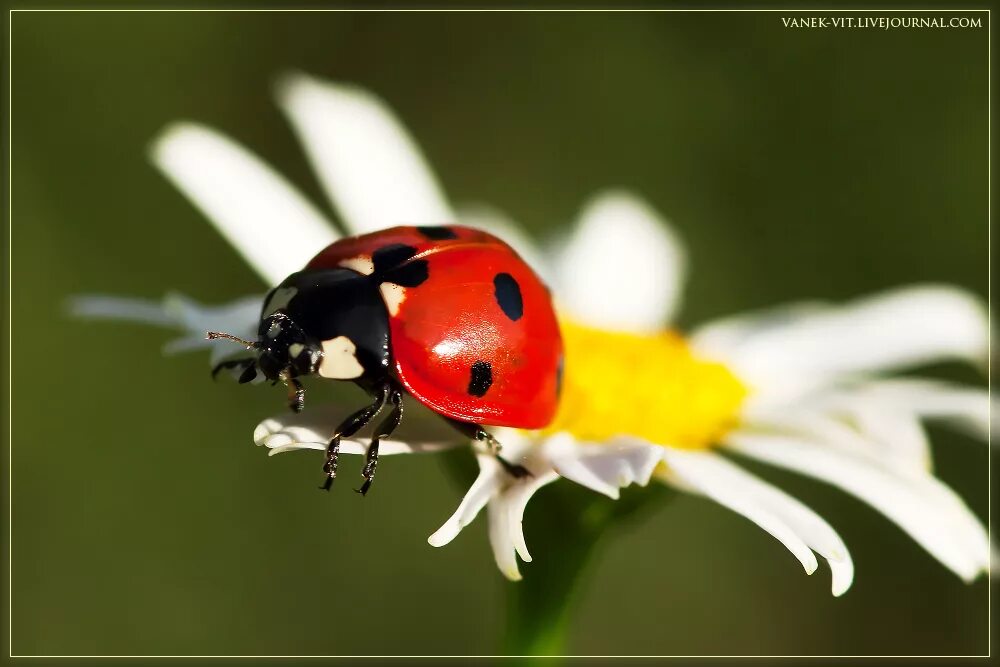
x=278 y=440
x=285 y=83
x=291 y=83
x=281 y=449
x=444 y=535
x=163 y=136
x=969 y=576
x=261 y=433
x=173 y=134
x=840 y=587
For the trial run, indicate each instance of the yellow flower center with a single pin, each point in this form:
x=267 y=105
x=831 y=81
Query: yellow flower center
x=649 y=386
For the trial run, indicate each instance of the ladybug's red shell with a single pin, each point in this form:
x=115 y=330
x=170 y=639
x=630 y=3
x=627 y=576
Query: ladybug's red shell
x=473 y=336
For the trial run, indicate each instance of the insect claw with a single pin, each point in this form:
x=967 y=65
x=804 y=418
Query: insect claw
x=513 y=469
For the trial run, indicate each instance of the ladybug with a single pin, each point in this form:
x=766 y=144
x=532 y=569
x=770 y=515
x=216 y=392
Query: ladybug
x=450 y=315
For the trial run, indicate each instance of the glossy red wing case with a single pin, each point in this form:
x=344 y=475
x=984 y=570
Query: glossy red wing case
x=477 y=339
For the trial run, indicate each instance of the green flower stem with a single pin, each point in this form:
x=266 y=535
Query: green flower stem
x=539 y=608
x=565 y=525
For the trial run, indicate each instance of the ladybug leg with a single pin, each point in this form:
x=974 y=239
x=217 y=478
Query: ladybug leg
x=478 y=433
x=247 y=364
x=354 y=423
x=384 y=430
x=296 y=395
x=513 y=469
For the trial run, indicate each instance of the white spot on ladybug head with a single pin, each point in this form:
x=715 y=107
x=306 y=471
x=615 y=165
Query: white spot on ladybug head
x=393 y=295
x=339 y=359
x=279 y=299
x=274 y=330
x=362 y=264
x=295 y=349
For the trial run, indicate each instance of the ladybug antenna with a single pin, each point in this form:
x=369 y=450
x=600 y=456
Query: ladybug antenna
x=213 y=335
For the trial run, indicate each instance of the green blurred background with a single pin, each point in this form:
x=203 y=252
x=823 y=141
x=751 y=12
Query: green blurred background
x=795 y=163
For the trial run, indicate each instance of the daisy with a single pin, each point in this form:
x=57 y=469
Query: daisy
x=804 y=387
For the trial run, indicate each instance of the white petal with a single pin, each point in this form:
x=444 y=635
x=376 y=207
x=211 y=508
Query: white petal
x=371 y=169
x=808 y=526
x=282 y=444
x=487 y=485
x=897 y=433
x=812 y=425
x=516 y=446
x=128 y=309
x=500 y=225
x=727 y=485
x=832 y=436
x=896 y=329
x=724 y=337
x=270 y=223
x=605 y=467
x=238 y=317
x=880 y=418
x=313 y=428
x=516 y=499
x=507 y=498
x=967 y=408
x=601 y=467
x=502 y=539
x=922 y=506
x=623 y=268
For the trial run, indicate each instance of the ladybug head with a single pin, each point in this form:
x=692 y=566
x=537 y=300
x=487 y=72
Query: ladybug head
x=285 y=349
x=331 y=322
x=284 y=352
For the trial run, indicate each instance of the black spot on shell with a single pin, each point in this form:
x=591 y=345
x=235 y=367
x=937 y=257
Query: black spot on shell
x=438 y=233
x=508 y=295
x=410 y=274
x=480 y=378
x=391 y=256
